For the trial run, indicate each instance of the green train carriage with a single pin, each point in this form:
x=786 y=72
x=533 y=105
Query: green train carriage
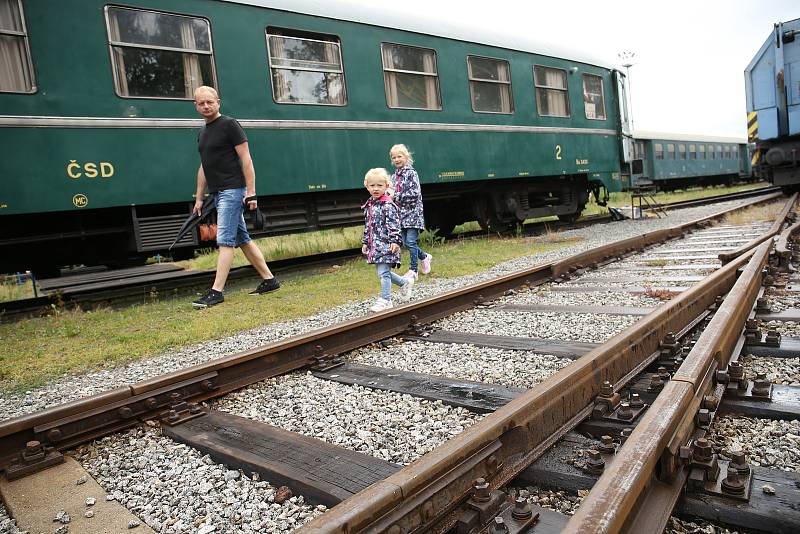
x=671 y=161
x=99 y=129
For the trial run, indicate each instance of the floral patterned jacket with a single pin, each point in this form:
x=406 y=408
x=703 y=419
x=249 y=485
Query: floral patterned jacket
x=408 y=197
x=381 y=229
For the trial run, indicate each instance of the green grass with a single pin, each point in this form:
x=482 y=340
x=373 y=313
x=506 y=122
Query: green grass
x=37 y=350
x=11 y=290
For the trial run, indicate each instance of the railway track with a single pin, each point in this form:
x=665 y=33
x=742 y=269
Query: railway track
x=438 y=490
x=117 y=287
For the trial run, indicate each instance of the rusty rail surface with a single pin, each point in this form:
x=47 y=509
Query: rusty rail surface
x=424 y=496
x=774 y=230
x=632 y=496
x=79 y=421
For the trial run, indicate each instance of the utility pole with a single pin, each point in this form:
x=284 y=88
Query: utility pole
x=626 y=56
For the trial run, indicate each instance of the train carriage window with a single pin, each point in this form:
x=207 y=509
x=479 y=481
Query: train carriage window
x=593 y=98
x=642 y=153
x=727 y=152
x=159 y=55
x=306 y=68
x=659 y=150
x=490 y=85
x=719 y=152
x=692 y=152
x=670 y=151
x=701 y=151
x=552 y=97
x=16 y=67
x=411 y=77
x=681 y=151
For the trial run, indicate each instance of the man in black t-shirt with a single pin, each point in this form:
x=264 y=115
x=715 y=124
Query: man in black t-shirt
x=226 y=168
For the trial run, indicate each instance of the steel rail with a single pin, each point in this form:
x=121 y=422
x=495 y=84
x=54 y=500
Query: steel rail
x=716 y=198
x=631 y=496
x=423 y=497
x=79 y=421
x=613 y=504
x=774 y=230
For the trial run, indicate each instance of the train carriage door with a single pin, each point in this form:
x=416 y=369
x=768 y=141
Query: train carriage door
x=624 y=127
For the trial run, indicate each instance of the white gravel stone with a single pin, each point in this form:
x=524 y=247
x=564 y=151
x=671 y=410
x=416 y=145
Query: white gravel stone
x=173 y=488
x=8 y=525
x=767 y=443
x=390 y=426
x=546 y=297
x=785 y=371
x=464 y=362
x=784 y=328
x=582 y=327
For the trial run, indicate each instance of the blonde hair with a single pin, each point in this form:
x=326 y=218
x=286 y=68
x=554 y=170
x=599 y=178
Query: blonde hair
x=402 y=150
x=206 y=89
x=377 y=173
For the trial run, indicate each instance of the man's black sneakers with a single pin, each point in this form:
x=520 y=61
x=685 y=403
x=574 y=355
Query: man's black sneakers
x=266 y=285
x=212 y=297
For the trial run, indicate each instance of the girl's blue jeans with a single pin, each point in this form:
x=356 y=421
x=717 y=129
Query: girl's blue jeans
x=410 y=238
x=387 y=278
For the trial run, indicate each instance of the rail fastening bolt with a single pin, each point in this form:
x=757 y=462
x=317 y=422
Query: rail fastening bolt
x=735 y=371
x=607 y=445
x=636 y=401
x=33 y=446
x=481 y=491
x=739 y=462
x=624 y=434
x=607 y=390
x=703 y=416
x=732 y=483
x=624 y=412
x=522 y=510
x=498 y=526
x=594 y=462
x=703 y=450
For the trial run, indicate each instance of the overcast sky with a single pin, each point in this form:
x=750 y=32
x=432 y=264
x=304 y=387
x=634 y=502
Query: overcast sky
x=688 y=72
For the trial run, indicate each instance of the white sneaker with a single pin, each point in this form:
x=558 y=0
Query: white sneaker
x=411 y=275
x=405 y=289
x=425 y=265
x=381 y=304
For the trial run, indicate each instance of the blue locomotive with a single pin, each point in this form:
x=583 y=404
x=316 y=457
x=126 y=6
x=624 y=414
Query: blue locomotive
x=772 y=85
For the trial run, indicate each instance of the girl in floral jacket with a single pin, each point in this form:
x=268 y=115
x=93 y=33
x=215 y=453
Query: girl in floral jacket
x=381 y=241
x=407 y=194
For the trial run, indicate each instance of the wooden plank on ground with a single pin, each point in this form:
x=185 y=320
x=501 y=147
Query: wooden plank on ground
x=789 y=348
x=785 y=404
x=778 y=514
x=476 y=396
x=321 y=472
x=789 y=314
x=563 y=349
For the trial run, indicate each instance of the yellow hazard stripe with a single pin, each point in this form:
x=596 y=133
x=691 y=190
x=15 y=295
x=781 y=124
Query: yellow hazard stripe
x=752 y=126
x=756 y=157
